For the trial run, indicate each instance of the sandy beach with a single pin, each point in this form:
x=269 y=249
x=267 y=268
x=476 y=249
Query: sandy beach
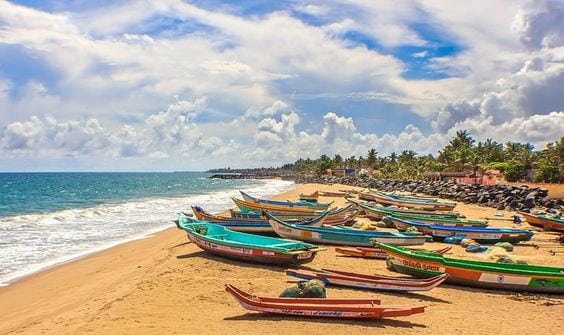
x=165 y=285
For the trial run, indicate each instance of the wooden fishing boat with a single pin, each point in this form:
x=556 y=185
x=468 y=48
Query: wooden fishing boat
x=314 y=205
x=372 y=282
x=339 y=216
x=251 y=225
x=407 y=197
x=247 y=225
x=246 y=206
x=544 y=221
x=378 y=253
x=246 y=247
x=309 y=197
x=335 y=194
x=440 y=221
x=334 y=235
x=490 y=275
x=321 y=308
x=379 y=212
x=478 y=234
x=414 y=204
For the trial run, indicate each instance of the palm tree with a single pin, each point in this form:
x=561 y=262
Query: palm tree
x=371 y=158
x=338 y=161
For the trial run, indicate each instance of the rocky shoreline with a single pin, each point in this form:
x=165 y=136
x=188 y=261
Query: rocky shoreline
x=500 y=196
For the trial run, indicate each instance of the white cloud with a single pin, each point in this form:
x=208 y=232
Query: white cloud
x=541 y=24
x=254 y=72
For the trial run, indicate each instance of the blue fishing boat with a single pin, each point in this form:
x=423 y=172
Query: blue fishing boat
x=478 y=234
x=335 y=235
x=246 y=247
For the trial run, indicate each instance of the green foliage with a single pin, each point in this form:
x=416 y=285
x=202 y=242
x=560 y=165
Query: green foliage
x=501 y=166
x=547 y=173
x=462 y=153
x=514 y=171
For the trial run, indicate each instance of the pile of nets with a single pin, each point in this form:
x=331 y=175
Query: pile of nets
x=453 y=239
x=411 y=230
x=505 y=245
x=306 y=289
x=472 y=246
x=364 y=226
x=508 y=260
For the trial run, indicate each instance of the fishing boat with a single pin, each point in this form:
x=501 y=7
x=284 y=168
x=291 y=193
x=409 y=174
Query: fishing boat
x=378 y=253
x=371 y=282
x=251 y=225
x=321 y=308
x=307 y=204
x=309 y=197
x=440 y=221
x=544 y=221
x=339 y=216
x=246 y=206
x=378 y=213
x=489 y=275
x=335 y=194
x=335 y=235
x=416 y=197
x=478 y=234
x=221 y=241
x=414 y=204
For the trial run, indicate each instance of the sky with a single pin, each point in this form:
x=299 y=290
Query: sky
x=191 y=85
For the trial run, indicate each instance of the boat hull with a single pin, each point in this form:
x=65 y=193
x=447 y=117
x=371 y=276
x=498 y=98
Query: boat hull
x=377 y=283
x=377 y=253
x=544 y=222
x=251 y=254
x=480 y=235
x=339 y=236
x=484 y=275
x=321 y=308
x=430 y=206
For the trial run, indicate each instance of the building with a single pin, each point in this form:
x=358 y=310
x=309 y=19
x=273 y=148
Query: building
x=489 y=177
x=341 y=172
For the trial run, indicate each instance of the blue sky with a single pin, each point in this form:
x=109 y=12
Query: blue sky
x=128 y=85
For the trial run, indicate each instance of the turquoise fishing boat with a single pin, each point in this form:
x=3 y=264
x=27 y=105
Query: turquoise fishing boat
x=224 y=242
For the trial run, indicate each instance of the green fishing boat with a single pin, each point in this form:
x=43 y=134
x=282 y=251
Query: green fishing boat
x=490 y=275
x=376 y=212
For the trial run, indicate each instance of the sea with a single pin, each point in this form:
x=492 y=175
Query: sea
x=51 y=218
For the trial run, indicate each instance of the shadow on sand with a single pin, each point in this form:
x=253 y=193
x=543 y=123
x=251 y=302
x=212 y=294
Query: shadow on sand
x=381 y=323
x=233 y=262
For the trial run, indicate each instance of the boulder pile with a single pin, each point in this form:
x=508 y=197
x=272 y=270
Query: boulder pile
x=500 y=196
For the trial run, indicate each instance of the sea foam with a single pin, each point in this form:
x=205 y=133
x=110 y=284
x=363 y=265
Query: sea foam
x=34 y=242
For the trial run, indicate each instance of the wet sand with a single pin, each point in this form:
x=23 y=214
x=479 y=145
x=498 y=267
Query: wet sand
x=165 y=285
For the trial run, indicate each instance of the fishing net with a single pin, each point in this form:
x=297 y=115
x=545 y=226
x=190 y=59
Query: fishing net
x=306 y=289
x=505 y=245
x=475 y=247
x=466 y=242
x=411 y=230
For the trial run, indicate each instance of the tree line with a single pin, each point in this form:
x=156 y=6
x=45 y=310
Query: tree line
x=515 y=160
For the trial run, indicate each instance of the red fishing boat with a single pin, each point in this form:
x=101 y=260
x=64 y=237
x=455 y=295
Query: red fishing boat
x=544 y=221
x=378 y=253
x=371 y=282
x=321 y=308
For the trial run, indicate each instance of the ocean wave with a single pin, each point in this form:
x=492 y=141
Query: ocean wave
x=33 y=242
